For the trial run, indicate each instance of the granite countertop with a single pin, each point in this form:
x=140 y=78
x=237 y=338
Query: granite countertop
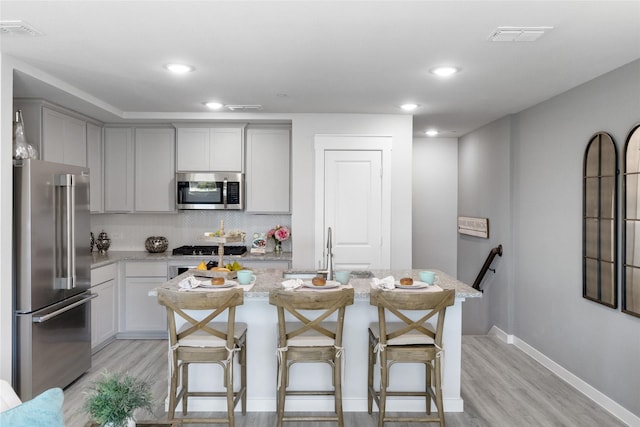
x=270 y=278
x=110 y=257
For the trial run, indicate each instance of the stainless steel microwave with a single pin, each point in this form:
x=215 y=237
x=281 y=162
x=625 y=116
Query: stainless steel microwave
x=210 y=190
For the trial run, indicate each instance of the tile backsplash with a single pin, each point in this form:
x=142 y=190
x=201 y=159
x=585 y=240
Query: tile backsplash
x=129 y=231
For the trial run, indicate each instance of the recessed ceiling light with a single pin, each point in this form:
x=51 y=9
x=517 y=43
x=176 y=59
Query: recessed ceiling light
x=431 y=132
x=445 y=71
x=214 y=105
x=179 y=68
x=409 y=107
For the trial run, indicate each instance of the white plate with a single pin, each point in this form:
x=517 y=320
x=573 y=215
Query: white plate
x=227 y=284
x=329 y=284
x=416 y=285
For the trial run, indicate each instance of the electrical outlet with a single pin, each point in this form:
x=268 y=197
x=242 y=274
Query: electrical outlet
x=117 y=236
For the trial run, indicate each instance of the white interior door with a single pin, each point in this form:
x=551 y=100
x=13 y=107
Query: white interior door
x=353 y=207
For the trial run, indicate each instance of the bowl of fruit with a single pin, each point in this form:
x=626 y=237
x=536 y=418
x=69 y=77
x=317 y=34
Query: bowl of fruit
x=229 y=271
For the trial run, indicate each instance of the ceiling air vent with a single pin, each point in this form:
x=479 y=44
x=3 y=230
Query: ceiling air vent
x=518 y=34
x=18 y=28
x=244 y=107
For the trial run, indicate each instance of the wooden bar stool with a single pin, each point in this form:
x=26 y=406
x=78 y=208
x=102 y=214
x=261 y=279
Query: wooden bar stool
x=407 y=341
x=205 y=341
x=310 y=340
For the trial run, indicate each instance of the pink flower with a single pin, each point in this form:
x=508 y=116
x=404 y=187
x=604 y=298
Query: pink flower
x=282 y=234
x=279 y=233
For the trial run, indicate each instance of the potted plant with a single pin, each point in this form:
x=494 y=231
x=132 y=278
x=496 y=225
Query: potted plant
x=114 y=397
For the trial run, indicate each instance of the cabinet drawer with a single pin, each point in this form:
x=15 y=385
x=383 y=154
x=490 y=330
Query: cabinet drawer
x=103 y=274
x=146 y=269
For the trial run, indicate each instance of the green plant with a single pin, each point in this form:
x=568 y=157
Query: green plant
x=114 y=397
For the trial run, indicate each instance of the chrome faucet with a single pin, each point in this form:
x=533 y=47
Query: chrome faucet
x=328 y=269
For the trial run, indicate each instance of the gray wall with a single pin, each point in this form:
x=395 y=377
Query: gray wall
x=435 y=204
x=484 y=192
x=539 y=299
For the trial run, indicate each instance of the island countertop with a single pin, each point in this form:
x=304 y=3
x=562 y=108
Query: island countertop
x=269 y=278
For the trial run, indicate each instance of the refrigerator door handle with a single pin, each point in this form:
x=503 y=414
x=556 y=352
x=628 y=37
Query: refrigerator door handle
x=49 y=316
x=65 y=274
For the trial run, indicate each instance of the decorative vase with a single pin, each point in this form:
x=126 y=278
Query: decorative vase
x=21 y=149
x=278 y=247
x=156 y=244
x=103 y=242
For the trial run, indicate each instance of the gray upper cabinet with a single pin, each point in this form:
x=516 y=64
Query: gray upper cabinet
x=204 y=149
x=268 y=172
x=139 y=170
x=64 y=138
x=154 y=170
x=58 y=134
x=118 y=169
x=94 y=163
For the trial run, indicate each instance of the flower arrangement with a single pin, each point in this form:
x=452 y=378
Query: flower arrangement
x=279 y=234
x=114 y=397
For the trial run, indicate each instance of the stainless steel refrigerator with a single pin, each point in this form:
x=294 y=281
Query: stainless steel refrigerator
x=52 y=275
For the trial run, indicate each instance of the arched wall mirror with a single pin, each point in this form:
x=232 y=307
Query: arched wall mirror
x=599 y=232
x=631 y=231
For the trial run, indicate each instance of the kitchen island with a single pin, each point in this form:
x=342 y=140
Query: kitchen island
x=261 y=355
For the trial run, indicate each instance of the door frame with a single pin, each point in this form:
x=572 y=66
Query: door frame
x=352 y=142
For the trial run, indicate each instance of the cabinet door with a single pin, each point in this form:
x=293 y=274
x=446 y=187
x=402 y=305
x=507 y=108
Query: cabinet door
x=63 y=138
x=268 y=170
x=94 y=163
x=142 y=312
x=193 y=149
x=104 y=313
x=226 y=149
x=155 y=170
x=118 y=170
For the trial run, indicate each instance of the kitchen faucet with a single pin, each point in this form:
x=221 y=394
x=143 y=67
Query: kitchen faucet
x=329 y=262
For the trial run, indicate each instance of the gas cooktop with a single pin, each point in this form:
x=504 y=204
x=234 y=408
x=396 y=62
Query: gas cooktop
x=209 y=250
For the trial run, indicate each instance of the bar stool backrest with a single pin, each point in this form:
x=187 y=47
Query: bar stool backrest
x=217 y=302
x=396 y=302
x=328 y=301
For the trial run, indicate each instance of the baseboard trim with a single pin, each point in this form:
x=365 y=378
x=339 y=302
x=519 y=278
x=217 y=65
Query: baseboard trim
x=583 y=387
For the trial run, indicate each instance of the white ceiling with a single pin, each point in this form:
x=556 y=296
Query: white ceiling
x=318 y=56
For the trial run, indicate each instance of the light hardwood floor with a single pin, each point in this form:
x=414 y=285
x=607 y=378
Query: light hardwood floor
x=501 y=387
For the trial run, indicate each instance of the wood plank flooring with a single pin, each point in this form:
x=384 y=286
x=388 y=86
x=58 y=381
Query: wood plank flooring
x=501 y=387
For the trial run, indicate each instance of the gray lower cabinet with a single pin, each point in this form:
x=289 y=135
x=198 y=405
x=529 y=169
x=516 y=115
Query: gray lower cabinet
x=142 y=316
x=104 y=308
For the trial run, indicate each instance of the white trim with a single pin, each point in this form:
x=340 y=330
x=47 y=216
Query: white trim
x=500 y=334
x=583 y=387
